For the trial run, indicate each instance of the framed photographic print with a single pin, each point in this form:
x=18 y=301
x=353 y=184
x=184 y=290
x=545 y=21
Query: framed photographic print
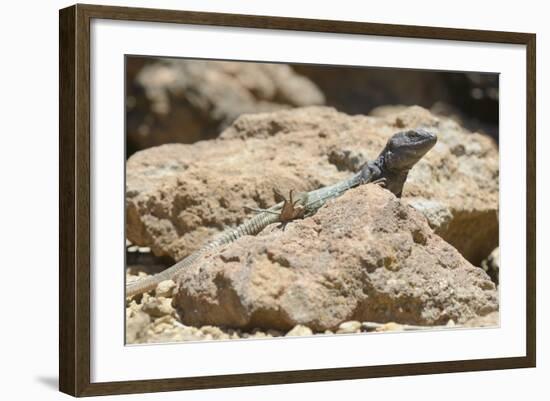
x=251 y=200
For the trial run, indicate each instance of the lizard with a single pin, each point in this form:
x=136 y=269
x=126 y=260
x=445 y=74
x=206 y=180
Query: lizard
x=390 y=169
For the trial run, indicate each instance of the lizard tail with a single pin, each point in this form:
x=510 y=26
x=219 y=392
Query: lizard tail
x=150 y=283
x=251 y=227
x=147 y=284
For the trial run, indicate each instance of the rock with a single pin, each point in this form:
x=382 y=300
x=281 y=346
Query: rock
x=158 y=306
x=349 y=327
x=363 y=90
x=168 y=329
x=366 y=256
x=490 y=320
x=184 y=101
x=299 y=330
x=178 y=196
x=215 y=332
x=141 y=328
x=136 y=324
x=390 y=326
x=165 y=289
x=491 y=265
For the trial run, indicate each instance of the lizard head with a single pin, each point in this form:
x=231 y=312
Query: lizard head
x=406 y=148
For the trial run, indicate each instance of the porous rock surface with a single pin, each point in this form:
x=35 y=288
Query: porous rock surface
x=178 y=196
x=152 y=319
x=183 y=101
x=366 y=256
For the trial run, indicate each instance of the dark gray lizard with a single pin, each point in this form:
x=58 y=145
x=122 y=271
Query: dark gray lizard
x=390 y=169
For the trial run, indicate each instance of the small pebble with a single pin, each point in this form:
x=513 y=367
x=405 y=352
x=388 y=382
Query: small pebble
x=158 y=307
x=391 y=326
x=166 y=319
x=165 y=289
x=353 y=326
x=160 y=328
x=145 y=297
x=299 y=330
x=215 y=332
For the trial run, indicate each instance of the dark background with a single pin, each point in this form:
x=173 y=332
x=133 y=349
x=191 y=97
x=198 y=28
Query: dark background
x=177 y=100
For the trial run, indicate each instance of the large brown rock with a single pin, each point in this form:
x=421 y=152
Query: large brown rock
x=366 y=256
x=180 y=195
x=183 y=101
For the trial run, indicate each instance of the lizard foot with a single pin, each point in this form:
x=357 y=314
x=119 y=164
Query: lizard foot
x=292 y=209
x=381 y=181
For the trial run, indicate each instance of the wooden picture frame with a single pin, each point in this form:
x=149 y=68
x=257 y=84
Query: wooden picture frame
x=75 y=206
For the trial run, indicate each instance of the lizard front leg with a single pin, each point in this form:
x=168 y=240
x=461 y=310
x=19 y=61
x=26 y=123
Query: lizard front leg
x=290 y=209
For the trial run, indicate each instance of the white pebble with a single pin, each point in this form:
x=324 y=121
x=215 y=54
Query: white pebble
x=352 y=326
x=165 y=288
x=299 y=330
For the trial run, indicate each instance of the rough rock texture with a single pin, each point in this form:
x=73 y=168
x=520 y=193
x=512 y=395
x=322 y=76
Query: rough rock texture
x=366 y=256
x=299 y=330
x=136 y=323
x=187 y=100
x=152 y=319
x=146 y=324
x=178 y=196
